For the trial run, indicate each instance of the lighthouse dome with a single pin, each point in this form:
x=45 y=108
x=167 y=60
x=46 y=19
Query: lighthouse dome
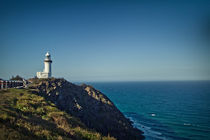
x=47 y=54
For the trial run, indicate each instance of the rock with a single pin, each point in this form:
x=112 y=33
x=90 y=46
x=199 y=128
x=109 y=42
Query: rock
x=90 y=105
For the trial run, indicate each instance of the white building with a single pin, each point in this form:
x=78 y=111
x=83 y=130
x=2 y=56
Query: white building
x=47 y=68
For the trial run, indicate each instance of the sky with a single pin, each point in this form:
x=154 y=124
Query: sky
x=106 y=40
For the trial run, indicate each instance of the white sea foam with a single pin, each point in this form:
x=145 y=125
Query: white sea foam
x=187 y=124
x=153 y=114
x=148 y=133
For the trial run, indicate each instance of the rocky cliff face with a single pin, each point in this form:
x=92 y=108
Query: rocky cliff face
x=93 y=108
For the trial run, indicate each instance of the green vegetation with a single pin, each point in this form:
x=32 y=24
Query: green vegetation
x=17 y=77
x=25 y=115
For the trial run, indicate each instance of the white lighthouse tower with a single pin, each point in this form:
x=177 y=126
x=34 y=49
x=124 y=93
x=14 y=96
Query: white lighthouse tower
x=47 y=73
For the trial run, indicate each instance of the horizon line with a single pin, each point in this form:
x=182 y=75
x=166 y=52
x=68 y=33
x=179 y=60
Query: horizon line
x=140 y=81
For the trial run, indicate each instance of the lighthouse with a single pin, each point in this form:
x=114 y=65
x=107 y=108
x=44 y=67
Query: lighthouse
x=47 y=73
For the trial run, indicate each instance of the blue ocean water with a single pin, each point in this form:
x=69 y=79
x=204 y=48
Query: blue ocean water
x=164 y=110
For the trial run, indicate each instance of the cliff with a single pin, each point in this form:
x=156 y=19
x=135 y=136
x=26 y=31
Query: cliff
x=80 y=107
x=27 y=116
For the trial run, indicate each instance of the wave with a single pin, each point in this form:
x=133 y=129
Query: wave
x=153 y=130
x=148 y=132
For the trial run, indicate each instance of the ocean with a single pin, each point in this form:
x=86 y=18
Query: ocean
x=163 y=110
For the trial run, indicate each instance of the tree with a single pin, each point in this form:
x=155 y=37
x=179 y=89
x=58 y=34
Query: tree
x=17 y=78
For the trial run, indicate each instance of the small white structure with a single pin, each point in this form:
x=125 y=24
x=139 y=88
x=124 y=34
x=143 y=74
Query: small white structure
x=47 y=67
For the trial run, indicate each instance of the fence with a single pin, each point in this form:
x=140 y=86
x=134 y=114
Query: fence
x=10 y=84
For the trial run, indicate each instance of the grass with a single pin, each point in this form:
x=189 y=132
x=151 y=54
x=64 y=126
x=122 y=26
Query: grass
x=25 y=115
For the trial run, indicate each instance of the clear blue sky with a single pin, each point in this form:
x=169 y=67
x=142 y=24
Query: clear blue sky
x=106 y=40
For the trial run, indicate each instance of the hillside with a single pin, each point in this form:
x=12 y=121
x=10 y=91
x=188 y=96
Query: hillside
x=57 y=109
x=25 y=115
